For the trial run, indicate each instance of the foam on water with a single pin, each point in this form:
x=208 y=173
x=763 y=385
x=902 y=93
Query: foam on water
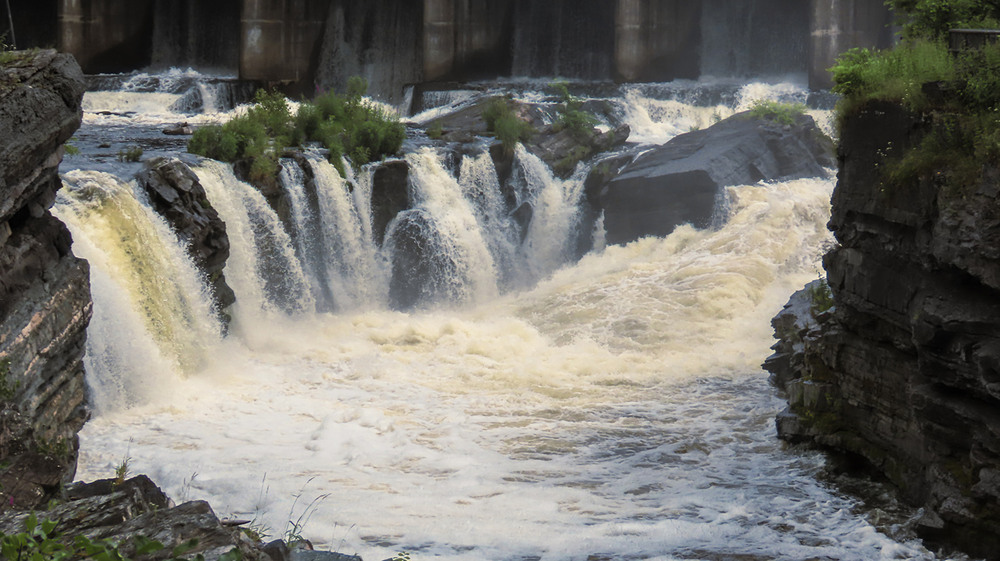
x=615 y=409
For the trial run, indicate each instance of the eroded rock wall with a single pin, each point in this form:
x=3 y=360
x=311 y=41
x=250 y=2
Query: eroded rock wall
x=45 y=301
x=904 y=371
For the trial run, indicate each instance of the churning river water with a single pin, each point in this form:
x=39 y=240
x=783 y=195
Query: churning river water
x=611 y=408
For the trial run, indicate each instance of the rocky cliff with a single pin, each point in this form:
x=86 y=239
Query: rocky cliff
x=903 y=371
x=44 y=290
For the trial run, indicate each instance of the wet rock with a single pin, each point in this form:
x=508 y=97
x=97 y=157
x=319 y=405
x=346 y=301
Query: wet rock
x=390 y=195
x=903 y=371
x=179 y=129
x=178 y=196
x=679 y=182
x=562 y=149
x=422 y=269
x=45 y=301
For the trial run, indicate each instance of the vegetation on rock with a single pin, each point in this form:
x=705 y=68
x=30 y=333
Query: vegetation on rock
x=502 y=120
x=572 y=117
x=784 y=113
x=959 y=93
x=347 y=125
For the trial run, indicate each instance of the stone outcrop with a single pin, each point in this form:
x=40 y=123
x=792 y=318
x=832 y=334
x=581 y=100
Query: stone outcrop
x=904 y=371
x=45 y=301
x=679 y=182
x=178 y=196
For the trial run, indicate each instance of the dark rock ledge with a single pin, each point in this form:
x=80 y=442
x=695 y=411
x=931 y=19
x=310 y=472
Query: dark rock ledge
x=903 y=372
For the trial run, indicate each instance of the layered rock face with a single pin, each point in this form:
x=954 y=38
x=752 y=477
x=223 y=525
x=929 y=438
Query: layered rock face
x=45 y=301
x=904 y=371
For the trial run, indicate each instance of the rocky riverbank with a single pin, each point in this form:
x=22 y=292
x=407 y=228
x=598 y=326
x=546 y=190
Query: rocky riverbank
x=899 y=364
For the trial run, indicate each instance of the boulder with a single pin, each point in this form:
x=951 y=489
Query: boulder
x=422 y=271
x=121 y=511
x=178 y=196
x=390 y=195
x=679 y=182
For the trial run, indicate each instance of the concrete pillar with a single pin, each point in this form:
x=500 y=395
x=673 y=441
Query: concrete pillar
x=439 y=38
x=106 y=35
x=657 y=40
x=839 y=25
x=631 y=39
x=280 y=40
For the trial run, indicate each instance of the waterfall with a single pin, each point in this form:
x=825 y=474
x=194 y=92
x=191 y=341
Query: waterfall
x=264 y=270
x=354 y=267
x=153 y=314
x=444 y=222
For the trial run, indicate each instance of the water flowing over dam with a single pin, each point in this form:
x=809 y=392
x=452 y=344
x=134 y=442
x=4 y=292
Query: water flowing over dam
x=526 y=404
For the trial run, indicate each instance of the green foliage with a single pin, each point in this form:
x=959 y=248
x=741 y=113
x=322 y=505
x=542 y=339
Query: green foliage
x=784 y=113
x=820 y=297
x=131 y=154
x=400 y=556
x=572 y=117
x=893 y=75
x=932 y=19
x=71 y=149
x=122 y=471
x=345 y=125
x=436 y=130
x=504 y=123
x=42 y=541
x=7 y=56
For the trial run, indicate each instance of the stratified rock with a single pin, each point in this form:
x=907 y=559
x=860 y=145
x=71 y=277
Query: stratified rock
x=679 y=182
x=178 y=196
x=45 y=301
x=121 y=511
x=904 y=372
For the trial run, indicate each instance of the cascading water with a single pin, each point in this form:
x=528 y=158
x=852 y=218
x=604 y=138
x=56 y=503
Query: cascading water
x=143 y=284
x=267 y=274
x=615 y=408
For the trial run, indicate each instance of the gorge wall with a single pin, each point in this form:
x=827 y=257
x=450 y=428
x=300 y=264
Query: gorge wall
x=903 y=371
x=306 y=44
x=45 y=301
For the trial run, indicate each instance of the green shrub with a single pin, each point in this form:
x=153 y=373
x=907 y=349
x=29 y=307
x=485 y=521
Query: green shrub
x=436 y=130
x=572 y=117
x=932 y=19
x=504 y=123
x=130 y=154
x=784 y=113
x=344 y=125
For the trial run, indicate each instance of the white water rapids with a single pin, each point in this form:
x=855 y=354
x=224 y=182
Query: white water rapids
x=615 y=409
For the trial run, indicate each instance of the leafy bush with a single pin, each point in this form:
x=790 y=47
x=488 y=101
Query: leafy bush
x=131 y=154
x=932 y=19
x=572 y=117
x=344 y=125
x=504 y=123
x=784 y=113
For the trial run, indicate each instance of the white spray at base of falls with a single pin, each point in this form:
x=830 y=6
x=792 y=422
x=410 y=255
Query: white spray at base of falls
x=143 y=285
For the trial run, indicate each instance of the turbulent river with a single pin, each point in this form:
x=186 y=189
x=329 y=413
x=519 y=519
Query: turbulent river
x=610 y=408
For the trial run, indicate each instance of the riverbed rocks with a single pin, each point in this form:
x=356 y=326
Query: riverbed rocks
x=682 y=181
x=45 y=301
x=904 y=371
x=178 y=196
